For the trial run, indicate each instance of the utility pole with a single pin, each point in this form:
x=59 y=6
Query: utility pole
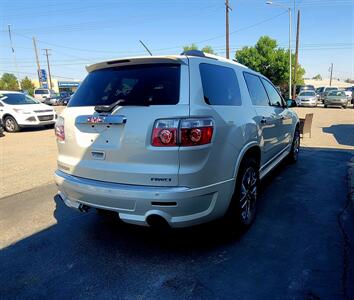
x=50 y=77
x=227 y=9
x=37 y=61
x=14 y=56
x=330 y=80
x=296 y=52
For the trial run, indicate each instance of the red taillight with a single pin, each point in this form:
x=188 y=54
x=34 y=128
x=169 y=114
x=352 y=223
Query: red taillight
x=165 y=133
x=183 y=132
x=59 y=129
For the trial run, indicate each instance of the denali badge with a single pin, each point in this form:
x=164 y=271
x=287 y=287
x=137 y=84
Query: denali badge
x=160 y=179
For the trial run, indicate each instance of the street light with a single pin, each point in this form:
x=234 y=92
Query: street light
x=289 y=11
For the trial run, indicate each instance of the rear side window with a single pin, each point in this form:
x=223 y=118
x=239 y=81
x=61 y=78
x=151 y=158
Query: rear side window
x=152 y=84
x=274 y=97
x=220 y=85
x=41 y=92
x=256 y=90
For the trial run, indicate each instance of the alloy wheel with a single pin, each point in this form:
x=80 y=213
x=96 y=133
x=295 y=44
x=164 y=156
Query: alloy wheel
x=10 y=125
x=296 y=146
x=248 y=197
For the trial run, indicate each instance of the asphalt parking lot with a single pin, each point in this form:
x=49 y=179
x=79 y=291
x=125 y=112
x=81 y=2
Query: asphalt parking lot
x=300 y=246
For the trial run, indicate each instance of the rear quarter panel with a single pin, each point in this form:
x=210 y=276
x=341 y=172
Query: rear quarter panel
x=234 y=128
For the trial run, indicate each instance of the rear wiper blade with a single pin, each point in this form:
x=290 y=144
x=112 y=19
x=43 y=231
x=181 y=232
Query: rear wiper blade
x=120 y=102
x=108 y=108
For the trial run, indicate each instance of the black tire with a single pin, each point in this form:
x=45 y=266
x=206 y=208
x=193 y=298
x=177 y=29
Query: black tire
x=325 y=106
x=293 y=156
x=243 y=207
x=10 y=124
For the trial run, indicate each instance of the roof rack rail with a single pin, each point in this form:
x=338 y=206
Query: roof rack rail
x=194 y=53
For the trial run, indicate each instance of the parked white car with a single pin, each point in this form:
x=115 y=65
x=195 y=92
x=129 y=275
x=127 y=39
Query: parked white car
x=177 y=140
x=44 y=94
x=18 y=110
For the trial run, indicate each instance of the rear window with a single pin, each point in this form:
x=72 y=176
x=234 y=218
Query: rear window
x=155 y=84
x=331 y=89
x=41 y=92
x=220 y=85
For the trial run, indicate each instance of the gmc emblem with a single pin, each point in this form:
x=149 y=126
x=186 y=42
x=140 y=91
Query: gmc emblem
x=94 y=120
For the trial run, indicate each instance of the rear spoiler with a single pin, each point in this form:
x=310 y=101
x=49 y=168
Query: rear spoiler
x=137 y=61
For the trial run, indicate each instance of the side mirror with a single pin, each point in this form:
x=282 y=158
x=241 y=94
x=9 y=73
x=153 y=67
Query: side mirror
x=291 y=103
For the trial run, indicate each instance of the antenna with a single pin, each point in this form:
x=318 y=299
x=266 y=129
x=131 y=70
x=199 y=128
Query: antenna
x=147 y=49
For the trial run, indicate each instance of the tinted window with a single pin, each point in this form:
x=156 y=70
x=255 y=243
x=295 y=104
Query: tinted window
x=309 y=94
x=331 y=89
x=273 y=95
x=41 y=92
x=17 y=99
x=153 y=84
x=256 y=90
x=220 y=85
x=336 y=93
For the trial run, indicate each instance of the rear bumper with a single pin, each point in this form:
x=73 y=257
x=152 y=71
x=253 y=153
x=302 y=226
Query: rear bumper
x=179 y=206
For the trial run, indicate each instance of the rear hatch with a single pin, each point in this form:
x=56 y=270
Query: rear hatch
x=115 y=145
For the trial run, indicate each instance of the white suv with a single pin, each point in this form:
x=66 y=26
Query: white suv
x=18 y=110
x=172 y=139
x=43 y=94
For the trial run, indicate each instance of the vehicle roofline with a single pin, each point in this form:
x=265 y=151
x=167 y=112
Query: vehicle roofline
x=179 y=59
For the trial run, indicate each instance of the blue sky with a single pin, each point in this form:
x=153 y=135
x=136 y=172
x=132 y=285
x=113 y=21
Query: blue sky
x=82 y=32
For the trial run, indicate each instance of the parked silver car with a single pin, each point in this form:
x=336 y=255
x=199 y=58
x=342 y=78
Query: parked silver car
x=307 y=98
x=179 y=139
x=336 y=98
x=322 y=91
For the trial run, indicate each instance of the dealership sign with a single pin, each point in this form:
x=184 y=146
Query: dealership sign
x=42 y=75
x=68 y=84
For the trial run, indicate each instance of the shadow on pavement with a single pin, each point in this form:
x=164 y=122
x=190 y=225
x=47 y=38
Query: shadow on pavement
x=343 y=133
x=293 y=250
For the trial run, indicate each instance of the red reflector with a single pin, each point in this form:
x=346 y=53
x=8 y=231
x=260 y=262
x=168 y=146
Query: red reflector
x=59 y=129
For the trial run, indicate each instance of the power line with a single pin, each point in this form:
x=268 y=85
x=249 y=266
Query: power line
x=31 y=73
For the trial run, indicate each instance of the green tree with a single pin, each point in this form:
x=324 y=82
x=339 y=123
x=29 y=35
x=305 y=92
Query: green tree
x=206 y=49
x=27 y=85
x=317 y=77
x=270 y=60
x=190 y=47
x=9 y=82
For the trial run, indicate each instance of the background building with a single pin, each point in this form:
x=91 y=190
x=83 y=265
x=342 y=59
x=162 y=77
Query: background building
x=59 y=85
x=325 y=82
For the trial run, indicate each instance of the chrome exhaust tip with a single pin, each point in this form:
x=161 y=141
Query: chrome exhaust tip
x=156 y=221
